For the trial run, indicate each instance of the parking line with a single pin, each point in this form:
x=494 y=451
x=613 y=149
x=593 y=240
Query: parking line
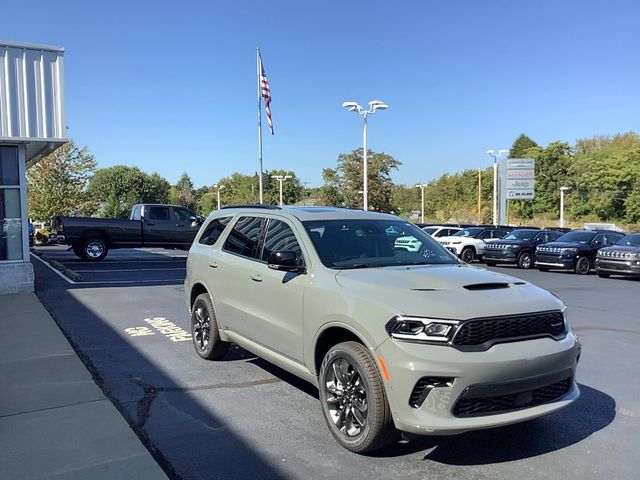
x=59 y=273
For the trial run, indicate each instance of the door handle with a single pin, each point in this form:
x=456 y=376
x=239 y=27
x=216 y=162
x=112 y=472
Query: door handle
x=213 y=265
x=256 y=277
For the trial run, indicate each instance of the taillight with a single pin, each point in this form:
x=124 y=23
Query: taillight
x=60 y=225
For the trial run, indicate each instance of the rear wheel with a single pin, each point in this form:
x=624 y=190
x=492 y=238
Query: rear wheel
x=204 y=329
x=94 y=249
x=353 y=399
x=583 y=265
x=525 y=261
x=468 y=254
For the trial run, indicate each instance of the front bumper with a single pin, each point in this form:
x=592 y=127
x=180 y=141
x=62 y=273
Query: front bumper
x=618 y=267
x=555 y=261
x=503 y=367
x=506 y=256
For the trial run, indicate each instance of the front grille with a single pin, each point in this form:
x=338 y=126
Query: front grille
x=484 y=332
x=473 y=407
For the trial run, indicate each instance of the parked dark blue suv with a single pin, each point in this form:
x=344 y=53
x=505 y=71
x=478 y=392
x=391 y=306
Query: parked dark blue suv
x=518 y=247
x=575 y=250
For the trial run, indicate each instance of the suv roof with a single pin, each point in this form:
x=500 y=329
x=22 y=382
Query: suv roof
x=303 y=213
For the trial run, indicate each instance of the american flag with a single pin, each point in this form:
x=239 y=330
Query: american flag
x=266 y=94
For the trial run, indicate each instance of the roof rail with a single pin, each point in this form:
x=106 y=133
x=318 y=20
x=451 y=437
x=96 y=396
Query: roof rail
x=253 y=205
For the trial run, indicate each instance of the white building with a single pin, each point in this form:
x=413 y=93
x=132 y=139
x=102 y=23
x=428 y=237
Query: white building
x=32 y=124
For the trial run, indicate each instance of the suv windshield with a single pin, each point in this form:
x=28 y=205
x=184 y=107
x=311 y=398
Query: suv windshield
x=364 y=243
x=632 y=240
x=469 y=232
x=521 y=235
x=577 y=237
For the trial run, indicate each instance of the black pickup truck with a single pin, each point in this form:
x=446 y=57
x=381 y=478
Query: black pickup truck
x=149 y=225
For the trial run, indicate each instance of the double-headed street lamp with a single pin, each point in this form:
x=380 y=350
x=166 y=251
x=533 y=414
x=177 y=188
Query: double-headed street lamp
x=354 y=107
x=496 y=155
x=218 y=188
x=422 y=186
x=281 y=179
x=562 y=190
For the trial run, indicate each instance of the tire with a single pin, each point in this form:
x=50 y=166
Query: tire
x=490 y=264
x=468 y=254
x=204 y=329
x=525 y=260
x=363 y=429
x=94 y=249
x=583 y=265
x=604 y=275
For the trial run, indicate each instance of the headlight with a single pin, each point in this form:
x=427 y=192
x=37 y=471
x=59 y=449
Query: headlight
x=420 y=329
x=569 y=250
x=512 y=246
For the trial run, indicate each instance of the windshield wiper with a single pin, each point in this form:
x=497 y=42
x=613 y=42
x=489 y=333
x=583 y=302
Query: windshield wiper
x=353 y=267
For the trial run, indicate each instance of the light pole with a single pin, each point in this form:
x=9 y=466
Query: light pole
x=562 y=190
x=495 y=155
x=354 y=107
x=218 y=188
x=421 y=186
x=281 y=179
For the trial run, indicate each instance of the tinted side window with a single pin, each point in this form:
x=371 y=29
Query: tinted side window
x=213 y=231
x=243 y=239
x=613 y=238
x=601 y=237
x=158 y=213
x=485 y=234
x=136 y=215
x=281 y=237
x=183 y=215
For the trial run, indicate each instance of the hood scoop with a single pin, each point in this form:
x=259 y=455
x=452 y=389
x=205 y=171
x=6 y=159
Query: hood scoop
x=486 y=286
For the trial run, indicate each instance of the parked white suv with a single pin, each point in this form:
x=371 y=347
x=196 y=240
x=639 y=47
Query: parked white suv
x=469 y=243
x=395 y=340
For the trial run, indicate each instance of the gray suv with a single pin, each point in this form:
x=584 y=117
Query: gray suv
x=395 y=340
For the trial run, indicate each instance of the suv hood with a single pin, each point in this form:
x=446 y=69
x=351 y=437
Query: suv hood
x=564 y=244
x=621 y=248
x=446 y=291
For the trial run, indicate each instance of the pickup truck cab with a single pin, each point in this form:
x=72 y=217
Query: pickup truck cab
x=149 y=225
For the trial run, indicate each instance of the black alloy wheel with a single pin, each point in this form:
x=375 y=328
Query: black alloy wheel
x=468 y=254
x=204 y=329
x=354 y=402
x=583 y=265
x=525 y=261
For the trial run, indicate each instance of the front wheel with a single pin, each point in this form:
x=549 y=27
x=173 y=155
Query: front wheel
x=468 y=255
x=353 y=399
x=525 y=261
x=204 y=329
x=94 y=249
x=583 y=266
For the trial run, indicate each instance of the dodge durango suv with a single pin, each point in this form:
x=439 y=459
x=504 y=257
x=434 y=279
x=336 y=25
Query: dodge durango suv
x=395 y=340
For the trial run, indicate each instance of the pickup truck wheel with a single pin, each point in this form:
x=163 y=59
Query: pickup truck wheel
x=353 y=399
x=583 y=266
x=94 y=249
x=525 y=261
x=204 y=329
x=468 y=254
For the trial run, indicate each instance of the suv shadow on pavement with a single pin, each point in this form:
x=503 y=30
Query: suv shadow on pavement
x=185 y=438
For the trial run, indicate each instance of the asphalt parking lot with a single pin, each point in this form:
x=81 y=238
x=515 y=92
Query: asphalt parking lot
x=243 y=418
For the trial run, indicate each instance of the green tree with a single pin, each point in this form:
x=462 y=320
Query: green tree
x=119 y=187
x=521 y=147
x=56 y=185
x=342 y=185
x=185 y=193
x=292 y=188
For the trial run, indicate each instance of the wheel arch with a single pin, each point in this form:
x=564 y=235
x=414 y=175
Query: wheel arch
x=96 y=233
x=330 y=336
x=196 y=289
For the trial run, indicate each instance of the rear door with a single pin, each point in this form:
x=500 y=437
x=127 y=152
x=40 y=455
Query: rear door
x=158 y=226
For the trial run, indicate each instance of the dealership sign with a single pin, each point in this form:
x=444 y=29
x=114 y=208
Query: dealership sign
x=518 y=178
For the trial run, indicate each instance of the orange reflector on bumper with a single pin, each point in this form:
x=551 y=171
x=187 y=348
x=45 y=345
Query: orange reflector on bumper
x=384 y=369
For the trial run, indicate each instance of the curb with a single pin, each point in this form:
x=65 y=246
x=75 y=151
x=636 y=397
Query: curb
x=67 y=272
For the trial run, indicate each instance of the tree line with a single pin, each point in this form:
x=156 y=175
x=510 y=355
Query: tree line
x=602 y=173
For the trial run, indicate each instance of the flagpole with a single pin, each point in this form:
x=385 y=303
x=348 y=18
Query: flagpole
x=259 y=121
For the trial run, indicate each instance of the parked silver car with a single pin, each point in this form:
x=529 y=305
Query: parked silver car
x=395 y=340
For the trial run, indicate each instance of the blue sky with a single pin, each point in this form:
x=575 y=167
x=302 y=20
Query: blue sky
x=171 y=86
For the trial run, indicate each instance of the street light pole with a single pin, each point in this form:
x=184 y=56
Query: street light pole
x=218 y=187
x=495 y=155
x=281 y=179
x=421 y=186
x=354 y=107
x=562 y=190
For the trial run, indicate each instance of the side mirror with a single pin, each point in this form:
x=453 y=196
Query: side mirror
x=284 y=260
x=596 y=243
